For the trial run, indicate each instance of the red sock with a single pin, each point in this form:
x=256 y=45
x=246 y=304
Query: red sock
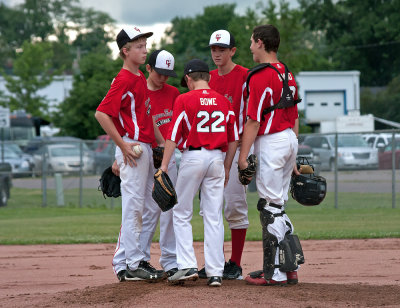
x=238 y=237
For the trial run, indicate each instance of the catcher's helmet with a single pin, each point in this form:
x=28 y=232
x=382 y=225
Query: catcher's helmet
x=308 y=189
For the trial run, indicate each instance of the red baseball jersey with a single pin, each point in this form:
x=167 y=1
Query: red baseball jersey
x=203 y=118
x=128 y=103
x=265 y=89
x=233 y=87
x=162 y=102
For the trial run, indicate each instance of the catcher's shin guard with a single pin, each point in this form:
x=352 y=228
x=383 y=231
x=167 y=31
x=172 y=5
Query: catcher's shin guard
x=270 y=243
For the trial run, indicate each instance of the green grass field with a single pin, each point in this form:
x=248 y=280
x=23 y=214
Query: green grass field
x=25 y=221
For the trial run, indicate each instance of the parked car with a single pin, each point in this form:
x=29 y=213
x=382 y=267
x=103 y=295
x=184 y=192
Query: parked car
x=104 y=153
x=353 y=151
x=17 y=149
x=64 y=158
x=20 y=165
x=36 y=143
x=379 y=141
x=5 y=183
x=385 y=157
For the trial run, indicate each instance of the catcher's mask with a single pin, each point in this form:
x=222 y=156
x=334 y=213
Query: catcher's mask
x=308 y=189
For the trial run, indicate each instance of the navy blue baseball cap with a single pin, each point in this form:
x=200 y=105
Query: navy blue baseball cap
x=195 y=65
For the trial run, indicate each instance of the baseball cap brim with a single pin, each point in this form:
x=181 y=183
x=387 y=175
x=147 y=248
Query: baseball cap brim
x=165 y=72
x=146 y=35
x=220 y=45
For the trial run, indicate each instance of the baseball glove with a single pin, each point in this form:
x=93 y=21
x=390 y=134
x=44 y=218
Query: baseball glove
x=163 y=191
x=246 y=174
x=158 y=153
x=110 y=184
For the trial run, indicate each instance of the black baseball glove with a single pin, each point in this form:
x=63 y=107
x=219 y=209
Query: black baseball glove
x=158 y=153
x=245 y=175
x=163 y=191
x=110 y=184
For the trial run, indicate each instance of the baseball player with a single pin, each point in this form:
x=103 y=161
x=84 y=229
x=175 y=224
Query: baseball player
x=229 y=79
x=203 y=126
x=125 y=116
x=274 y=135
x=162 y=96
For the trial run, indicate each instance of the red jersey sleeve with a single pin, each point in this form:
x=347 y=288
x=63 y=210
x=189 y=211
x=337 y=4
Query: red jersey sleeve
x=177 y=123
x=111 y=103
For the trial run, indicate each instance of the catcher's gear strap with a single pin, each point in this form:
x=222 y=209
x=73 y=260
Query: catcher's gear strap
x=290 y=253
x=163 y=191
x=262 y=203
x=270 y=243
x=286 y=99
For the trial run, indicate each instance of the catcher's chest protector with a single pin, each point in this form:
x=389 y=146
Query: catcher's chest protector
x=287 y=99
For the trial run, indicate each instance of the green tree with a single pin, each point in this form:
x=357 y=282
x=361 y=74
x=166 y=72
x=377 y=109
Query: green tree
x=384 y=104
x=76 y=114
x=360 y=35
x=33 y=71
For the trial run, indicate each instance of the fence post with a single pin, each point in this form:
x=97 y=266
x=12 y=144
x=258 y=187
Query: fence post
x=336 y=171
x=59 y=189
x=393 y=171
x=80 y=173
x=44 y=173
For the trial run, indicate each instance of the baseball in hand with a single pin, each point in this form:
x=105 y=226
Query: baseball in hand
x=137 y=149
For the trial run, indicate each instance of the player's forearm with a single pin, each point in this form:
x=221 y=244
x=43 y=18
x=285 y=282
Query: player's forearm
x=168 y=151
x=230 y=154
x=108 y=125
x=249 y=135
x=159 y=137
x=296 y=127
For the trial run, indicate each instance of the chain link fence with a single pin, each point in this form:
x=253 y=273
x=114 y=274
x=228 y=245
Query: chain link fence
x=62 y=171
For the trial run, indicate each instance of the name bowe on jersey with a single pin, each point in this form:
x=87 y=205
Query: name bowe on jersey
x=203 y=118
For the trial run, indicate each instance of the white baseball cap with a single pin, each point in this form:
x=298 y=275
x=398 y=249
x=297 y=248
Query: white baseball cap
x=222 y=38
x=130 y=34
x=163 y=62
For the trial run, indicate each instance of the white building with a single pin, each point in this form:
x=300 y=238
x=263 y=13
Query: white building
x=331 y=101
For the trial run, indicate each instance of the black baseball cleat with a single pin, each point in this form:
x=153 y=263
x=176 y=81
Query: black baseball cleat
x=171 y=272
x=143 y=272
x=183 y=275
x=121 y=275
x=202 y=273
x=214 y=281
x=232 y=271
x=147 y=265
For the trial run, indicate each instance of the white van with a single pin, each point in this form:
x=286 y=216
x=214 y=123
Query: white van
x=379 y=141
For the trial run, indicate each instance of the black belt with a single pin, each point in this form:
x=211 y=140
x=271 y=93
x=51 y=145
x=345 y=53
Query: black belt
x=194 y=149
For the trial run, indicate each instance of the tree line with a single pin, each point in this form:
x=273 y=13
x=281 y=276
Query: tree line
x=40 y=39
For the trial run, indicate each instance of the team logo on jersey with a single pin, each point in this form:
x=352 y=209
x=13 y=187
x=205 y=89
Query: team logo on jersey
x=218 y=36
x=229 y=98
x=167 y=114
x=168 y=62
x=205 y=92
x=148 y=106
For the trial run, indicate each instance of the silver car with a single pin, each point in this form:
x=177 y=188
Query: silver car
x=63 y=158
x=353 y=151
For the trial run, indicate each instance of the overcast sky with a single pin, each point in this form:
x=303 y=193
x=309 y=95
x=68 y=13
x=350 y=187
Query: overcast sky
x=155 y=15
x=145 y=13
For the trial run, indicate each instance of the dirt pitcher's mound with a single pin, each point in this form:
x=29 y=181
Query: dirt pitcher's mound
x=337 y=273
